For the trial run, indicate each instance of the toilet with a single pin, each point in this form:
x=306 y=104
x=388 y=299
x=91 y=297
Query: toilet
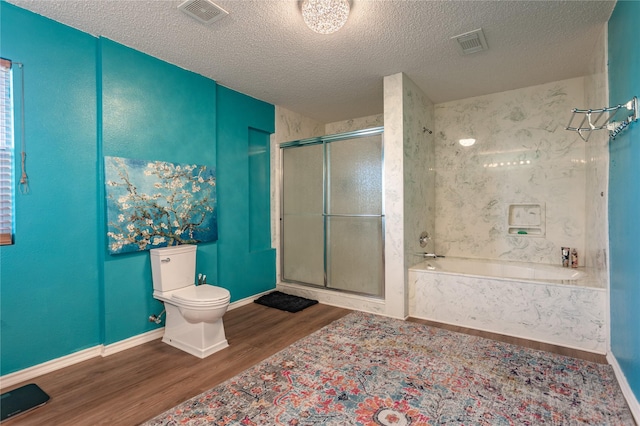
x=194 y=312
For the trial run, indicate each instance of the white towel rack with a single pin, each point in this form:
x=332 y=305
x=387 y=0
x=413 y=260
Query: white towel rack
x=598 y=119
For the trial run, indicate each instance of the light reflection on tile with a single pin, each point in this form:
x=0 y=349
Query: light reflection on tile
x=522 y=155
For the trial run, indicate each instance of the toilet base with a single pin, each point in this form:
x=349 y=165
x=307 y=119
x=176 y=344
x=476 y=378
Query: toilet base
x=200 y=339
x=193 y=350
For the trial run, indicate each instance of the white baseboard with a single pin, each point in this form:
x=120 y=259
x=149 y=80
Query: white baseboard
x=76 y=357
x=247 y=300
x=101 y=350
x=49 y=366
x=632 y=401
x=131 y=342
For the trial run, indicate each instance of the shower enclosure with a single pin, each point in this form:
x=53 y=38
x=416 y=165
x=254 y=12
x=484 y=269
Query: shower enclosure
x=332 y=212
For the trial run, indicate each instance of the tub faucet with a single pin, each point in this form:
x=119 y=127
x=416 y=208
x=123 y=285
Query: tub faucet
x=431 y=255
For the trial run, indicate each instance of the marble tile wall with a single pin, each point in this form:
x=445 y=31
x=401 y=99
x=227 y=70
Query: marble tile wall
x=419 y=171
x=569 y=316
x=465 y=211
x=395 y=270
x=409 y=184
x=597 y=168
x=354 y=124
x=291 y=126
x=523 y=154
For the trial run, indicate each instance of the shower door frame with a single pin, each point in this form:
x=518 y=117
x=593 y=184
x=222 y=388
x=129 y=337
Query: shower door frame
x=324 y=140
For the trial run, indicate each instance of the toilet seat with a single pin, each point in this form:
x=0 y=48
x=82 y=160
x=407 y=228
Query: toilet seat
x=202 y=295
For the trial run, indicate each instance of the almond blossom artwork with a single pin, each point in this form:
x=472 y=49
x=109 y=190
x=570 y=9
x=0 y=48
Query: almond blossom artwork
x=156 y=204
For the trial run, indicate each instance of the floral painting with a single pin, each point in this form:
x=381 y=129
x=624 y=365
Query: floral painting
x=156 y=204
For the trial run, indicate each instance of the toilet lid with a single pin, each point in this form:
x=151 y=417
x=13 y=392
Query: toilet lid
x=204 y=293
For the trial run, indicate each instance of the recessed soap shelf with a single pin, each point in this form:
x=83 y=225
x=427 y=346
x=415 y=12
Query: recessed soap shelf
x=526 y=220
x=524 y=232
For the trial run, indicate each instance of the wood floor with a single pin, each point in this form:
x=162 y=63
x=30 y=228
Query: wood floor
x=135 y=385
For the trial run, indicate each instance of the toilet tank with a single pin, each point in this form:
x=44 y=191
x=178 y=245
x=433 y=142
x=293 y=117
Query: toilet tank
x=173 y=267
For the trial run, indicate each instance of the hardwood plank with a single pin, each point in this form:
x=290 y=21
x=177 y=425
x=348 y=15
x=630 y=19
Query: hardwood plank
x=135 y=385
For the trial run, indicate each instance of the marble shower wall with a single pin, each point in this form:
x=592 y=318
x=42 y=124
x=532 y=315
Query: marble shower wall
x=419 y=171
x=597 y=168
x=409 y=184
x=291 y=126
x=523 y=155
x=354 y=124
x=394 y=267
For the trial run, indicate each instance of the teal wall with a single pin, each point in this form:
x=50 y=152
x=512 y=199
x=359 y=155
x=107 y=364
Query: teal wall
x=624 y=194
x=85 y=98
x=151 y=110
x=49 y=297
x=243 y=139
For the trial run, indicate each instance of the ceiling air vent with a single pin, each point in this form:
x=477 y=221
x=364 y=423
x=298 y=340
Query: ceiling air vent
x=471 y=42
x=203 y=10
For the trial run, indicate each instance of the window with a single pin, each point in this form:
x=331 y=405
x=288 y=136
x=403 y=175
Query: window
x=6 y=154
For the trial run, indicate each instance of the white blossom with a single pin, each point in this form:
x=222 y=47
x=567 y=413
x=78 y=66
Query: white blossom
x=171 y=214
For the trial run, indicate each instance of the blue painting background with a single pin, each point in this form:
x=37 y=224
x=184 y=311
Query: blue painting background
x=154 y=204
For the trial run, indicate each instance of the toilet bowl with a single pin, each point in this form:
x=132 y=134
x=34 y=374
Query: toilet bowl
x=194 y=313
x=203 y=303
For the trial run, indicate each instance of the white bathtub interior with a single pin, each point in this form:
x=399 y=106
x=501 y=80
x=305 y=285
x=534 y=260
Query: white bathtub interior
x=500 y=269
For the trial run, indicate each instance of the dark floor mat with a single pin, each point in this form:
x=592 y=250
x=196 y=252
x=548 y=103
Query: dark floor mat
x=285 y=302
x=21 y=400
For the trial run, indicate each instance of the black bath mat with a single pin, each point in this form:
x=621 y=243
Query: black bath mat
x=285 y=302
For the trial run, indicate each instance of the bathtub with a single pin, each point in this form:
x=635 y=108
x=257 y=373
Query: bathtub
x=501 y=269
x=546 y=303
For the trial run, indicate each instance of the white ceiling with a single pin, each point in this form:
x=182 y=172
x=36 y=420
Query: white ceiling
x=264 y=49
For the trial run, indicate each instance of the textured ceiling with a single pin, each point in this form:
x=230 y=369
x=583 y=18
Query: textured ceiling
x=264 y=49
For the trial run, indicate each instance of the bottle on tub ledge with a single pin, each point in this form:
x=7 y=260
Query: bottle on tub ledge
x=574 y=258
x=566 y=259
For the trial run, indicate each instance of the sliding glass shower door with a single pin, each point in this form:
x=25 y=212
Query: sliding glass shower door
x=302 y=221
x=332 y=212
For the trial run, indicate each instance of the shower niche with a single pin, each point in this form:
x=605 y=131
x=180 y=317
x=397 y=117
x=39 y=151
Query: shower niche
x=526 y=220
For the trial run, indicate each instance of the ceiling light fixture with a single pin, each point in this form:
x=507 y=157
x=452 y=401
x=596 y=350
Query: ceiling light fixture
x=325 y=16
x=467 y=142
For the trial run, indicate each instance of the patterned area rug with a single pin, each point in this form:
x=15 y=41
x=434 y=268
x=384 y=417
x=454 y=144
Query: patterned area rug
x=370 y=370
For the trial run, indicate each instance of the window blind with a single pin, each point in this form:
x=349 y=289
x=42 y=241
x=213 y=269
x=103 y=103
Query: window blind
x=6 y=153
